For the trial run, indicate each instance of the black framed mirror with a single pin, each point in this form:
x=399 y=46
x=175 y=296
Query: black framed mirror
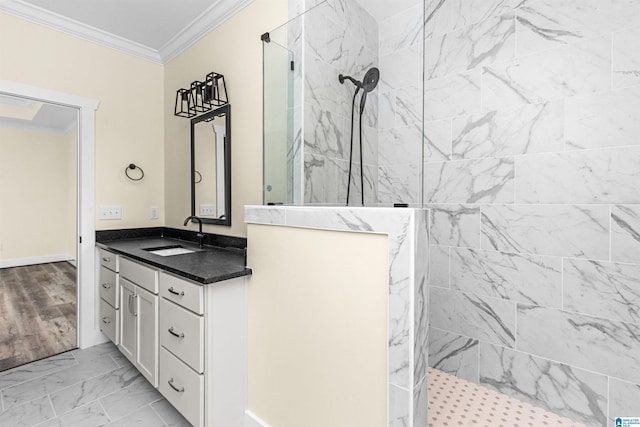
x=211 y=166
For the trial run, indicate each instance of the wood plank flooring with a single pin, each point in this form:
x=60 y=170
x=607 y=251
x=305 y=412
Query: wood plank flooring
x=37 y=312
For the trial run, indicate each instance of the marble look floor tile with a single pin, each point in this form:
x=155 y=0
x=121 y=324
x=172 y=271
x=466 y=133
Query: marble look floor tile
x=96 y=352
x=482 y=318
x=454 y=354
x=625 y=233
x=89 y=415
x=58 y=380
x=452 y=96
x=623 y=400
x=528 y=279
x=626 y=58
x=470 y=181
x=483 y=43
x=87 y=391
x=608 y=175
x=524 y=130
x=603 y=119
x=37 y=369
x=439 y=266
x=562 y=389
x=28 y=414
x=602 y=289
x=544 y=24
x=575 y=231
x=144 y=417
x=437 y=141
x=600 y=345
x=584 y=67
x=137 y=394
x=169 y=414
x=455 y=225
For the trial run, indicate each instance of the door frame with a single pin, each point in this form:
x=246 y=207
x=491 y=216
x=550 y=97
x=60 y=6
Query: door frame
x=88 y=332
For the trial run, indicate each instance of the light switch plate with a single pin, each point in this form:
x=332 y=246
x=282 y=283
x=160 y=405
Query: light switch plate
x=154 y=212
x=206 y=210
x=110 y=212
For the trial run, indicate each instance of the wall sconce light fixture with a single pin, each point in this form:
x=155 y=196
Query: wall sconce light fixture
x=184 y=102
x=202 y=96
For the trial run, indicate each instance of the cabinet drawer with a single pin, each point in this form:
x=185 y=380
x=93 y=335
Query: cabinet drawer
x=109 y=322
x=139 y=274
x=109 y=287
x=109 y=260
x=187 y=294
x=182 y=387
x=182 y=333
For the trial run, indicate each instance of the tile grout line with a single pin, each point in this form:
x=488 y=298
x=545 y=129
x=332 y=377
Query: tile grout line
x=157 y=413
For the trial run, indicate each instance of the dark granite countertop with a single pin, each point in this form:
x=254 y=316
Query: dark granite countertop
x=208 y=265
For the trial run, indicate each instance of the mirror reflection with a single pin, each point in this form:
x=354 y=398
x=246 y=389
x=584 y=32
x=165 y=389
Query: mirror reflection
x=210 y=167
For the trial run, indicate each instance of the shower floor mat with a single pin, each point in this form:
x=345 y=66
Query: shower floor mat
x=456 y=402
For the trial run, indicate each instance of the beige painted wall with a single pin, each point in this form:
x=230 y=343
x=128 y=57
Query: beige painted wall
x=129 y=120
x=234 y=49
x=317 y=327
x=37 y=193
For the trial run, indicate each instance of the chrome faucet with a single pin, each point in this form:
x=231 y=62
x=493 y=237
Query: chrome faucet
x=200 y=233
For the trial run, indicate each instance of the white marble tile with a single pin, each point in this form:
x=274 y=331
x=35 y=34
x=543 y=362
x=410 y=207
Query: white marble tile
x=545 y=24
x=401 y=30
x=261 y=215
x=438 y=18
x=143 y=417
x=467 y=48
x=401 y=145
x=421 y=295
x=92 y=389
x=623 y=400
x=401 y=68
x=603 y=120
x=455 y=225
x=439 y=266
x=409 y=105
x=437 y=140
x=602 y=289
x=399 y=184
x=573 y=393
x=169 y=414
x=91 y=414
x=467 y=12
x=36 y=369
x=483 y=318
x=580 y=68
x=451 y=96
x=625 y=233
x=470 y=181
x=454 y=354
x=606 y=346
x=94 y=353
x=522 y=278
x=421 y=403
x=400 y=406
x=609 y=175
x=324 y=133
x=567 y=230
x=626 y=58
x=126 y=400
x=338 y=180
x=523 y=130
x=314 y=178
x=387 y=110
x=28 y=414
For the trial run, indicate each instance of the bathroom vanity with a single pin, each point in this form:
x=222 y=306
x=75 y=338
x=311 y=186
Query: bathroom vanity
x=178 y=313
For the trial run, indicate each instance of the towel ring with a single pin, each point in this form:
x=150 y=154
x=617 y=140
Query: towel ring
x=197 y=180
x=133 y=166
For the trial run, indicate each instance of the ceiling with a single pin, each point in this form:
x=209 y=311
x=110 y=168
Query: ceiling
x=157 y=30
x=16 y=112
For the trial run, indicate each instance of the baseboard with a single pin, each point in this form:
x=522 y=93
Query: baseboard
x=251 y=420
x=21 y=262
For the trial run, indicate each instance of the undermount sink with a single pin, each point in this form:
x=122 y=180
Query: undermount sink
x=170 y=250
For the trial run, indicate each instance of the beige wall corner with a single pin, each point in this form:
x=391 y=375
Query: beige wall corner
x=317 y=327
x=234 y=49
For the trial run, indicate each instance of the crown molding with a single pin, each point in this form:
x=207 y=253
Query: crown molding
x=58 y=22
x=219 y=12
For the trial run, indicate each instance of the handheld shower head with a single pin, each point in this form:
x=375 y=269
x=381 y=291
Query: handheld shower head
x=369 y=83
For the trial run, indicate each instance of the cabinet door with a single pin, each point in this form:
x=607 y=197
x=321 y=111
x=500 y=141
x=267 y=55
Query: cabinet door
x=128 y=333
x=147 y=320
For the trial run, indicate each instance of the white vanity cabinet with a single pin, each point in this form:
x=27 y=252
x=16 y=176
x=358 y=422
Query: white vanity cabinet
x=109 y=292
x=139 y=317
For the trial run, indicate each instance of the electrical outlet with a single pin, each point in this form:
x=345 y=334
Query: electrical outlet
x=206 y=210
x=154 y=213
x=110 y=212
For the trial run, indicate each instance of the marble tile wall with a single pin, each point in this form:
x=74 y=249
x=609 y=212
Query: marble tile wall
x=532 y=178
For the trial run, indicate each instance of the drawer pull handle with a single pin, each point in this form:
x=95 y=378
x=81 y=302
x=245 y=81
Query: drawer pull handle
x=106 y=320
x=106 y=285
x=175 y=334
x=105 y=259
x=172 y=291
x=179 y=390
